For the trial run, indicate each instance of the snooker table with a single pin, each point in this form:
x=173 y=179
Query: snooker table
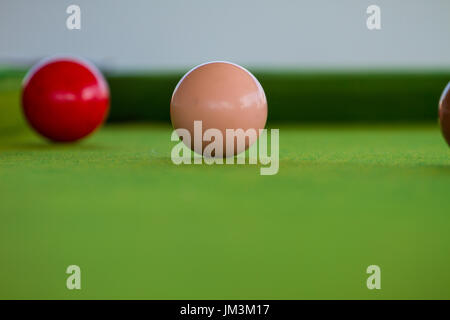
x=347 y=195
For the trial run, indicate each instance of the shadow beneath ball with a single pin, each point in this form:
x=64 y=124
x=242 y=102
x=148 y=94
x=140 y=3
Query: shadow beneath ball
x=52 y=146
x=437 y=168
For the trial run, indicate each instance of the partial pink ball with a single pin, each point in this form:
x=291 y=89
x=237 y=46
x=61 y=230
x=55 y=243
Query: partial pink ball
x=223 y=96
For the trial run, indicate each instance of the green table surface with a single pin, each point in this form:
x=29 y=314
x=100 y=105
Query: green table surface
x=345 y=197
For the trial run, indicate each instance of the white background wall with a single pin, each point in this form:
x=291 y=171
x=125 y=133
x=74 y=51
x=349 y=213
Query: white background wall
x=161 y=34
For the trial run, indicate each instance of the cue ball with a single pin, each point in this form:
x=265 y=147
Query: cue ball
x=444 y=113
x=223 y=96
x=65 y=99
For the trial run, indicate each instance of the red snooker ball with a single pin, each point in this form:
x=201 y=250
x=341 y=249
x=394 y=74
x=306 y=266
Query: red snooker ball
x=65 y=99
x=444 y=113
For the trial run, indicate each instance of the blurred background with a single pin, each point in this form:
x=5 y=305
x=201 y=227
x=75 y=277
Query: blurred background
x=316 y=60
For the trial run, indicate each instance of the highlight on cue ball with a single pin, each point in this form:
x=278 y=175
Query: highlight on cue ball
x=222 y=95
x=65 y=98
